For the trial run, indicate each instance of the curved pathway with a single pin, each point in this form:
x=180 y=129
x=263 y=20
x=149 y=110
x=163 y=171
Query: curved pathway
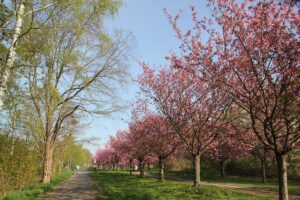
x=80 y=186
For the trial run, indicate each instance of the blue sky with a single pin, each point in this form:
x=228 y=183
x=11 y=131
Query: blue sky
x=154 y=40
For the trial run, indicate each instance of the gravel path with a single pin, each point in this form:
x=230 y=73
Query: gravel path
x=80 y=186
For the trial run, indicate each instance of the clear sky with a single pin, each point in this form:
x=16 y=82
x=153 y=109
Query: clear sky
x=154 y=40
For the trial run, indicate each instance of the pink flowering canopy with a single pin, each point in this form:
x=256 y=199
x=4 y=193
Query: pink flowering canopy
x=162 y=139
x=254 y=56
x=193 y=108
x=251 y=53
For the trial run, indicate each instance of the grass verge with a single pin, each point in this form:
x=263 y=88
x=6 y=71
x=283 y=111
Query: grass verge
x=121 y=186
x=249 y=182
x=31 y=192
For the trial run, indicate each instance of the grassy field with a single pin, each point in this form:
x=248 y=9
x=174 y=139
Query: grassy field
x=31 y=192
x=122 y=186
x=211 y=175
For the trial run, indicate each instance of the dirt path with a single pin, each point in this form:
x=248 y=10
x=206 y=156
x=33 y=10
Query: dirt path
x=80 y=186
x=238 y=187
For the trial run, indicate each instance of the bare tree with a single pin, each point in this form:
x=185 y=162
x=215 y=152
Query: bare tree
x=74 y=67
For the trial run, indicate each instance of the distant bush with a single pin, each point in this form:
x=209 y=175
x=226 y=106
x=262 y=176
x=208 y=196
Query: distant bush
x=252 y=167
x=244 y=167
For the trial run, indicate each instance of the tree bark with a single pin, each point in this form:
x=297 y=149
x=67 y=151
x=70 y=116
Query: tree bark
x=130 y=166
x=197 y=180
x=142 y=168
x=282 y=176
x=47 y=165
x=263 y=170
x=2 y=182
x=161 y=169
x=222 y=166
x=6 y=69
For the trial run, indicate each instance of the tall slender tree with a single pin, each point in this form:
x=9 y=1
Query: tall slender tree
x=14 y=14
x=72 y=66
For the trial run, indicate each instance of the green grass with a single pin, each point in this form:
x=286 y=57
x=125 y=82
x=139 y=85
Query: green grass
x=212 y=175
x=31 y=192
x=122 y=186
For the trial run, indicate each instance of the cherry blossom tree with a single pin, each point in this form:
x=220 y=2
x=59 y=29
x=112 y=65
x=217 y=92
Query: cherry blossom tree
x=150 y=139
x=244 y=133
x=139 y=147
x=195 y=110
x=121 y=146
x=162 y=139
x=229 y=146
x=262 y=153
x=254 y=56
x=104 y=157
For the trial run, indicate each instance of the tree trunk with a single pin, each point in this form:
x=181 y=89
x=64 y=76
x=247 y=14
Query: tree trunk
x=148 y=165
x=263 y=170
x=222 y=166
x=161 y=169
x=130 y=166
x=282 y=176
x=197 y=179
x=47 y=165
x=142 y=168
x=3 y=182
x=6 y=69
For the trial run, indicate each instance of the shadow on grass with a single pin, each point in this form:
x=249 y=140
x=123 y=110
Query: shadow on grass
x=212 y=175
x=121 y=186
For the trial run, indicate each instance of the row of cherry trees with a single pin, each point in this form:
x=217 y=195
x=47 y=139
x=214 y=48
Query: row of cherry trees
x=152 y=139
x=233 y=86
x=149 y=139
